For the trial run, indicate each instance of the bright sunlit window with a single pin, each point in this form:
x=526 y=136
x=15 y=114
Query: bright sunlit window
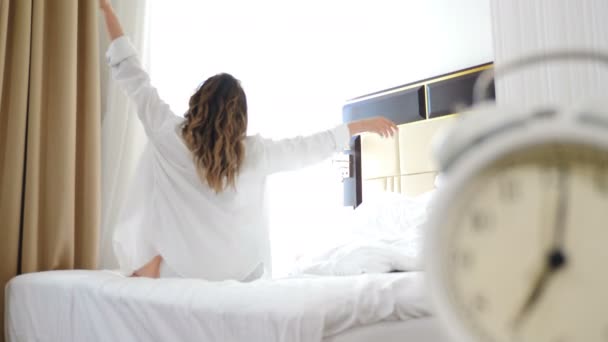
x=298 y=62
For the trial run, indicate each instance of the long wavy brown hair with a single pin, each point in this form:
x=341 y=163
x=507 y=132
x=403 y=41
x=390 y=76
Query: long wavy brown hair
x=215 y=129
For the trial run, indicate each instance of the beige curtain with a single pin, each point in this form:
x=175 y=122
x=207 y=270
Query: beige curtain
x=49 y=136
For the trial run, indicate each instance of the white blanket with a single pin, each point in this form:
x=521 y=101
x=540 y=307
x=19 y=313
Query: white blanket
x=363 y=256
x=105 y=306
x=383 y=234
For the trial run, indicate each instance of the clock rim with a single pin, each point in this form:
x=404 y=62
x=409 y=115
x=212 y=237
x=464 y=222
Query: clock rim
x=564 y=128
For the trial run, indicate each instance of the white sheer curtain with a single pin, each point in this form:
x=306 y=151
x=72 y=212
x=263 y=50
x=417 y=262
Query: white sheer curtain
x=298 y=62
x=122 y=135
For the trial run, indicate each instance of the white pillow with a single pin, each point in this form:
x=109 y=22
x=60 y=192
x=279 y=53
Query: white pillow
x=391 y=215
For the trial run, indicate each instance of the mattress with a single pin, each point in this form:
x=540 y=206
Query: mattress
x=425 y=329
x=106 y=306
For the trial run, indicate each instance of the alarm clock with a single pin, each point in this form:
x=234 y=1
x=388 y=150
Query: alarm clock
x=517 y=238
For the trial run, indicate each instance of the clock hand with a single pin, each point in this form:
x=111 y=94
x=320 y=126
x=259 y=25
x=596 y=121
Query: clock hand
x=555 y=261
x=562 y=210
x=556 y=258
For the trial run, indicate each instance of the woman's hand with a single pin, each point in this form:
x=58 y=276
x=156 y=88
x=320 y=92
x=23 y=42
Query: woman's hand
x=103 y=4
x=112 y=23
x=379 y=125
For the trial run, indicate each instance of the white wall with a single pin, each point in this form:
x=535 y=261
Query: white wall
x=303 y=52
x=298 y=62
x=523 y=27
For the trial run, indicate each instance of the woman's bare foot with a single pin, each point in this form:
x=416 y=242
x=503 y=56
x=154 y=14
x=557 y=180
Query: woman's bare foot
x=151 y=269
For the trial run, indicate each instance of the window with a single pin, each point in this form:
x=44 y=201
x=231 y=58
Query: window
x=298 y=62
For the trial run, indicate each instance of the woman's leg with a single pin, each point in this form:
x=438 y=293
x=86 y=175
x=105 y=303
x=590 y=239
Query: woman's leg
x=151 y=269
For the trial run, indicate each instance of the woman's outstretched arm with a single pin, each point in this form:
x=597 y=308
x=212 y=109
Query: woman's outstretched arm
x=131 y=77
x=302 y=151
x=112 y=23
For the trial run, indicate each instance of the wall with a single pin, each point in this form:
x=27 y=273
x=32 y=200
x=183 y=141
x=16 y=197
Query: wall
x=328 y=51
x=523 y=27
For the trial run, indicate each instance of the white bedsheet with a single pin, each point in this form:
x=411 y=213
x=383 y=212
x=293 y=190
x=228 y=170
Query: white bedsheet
x=105 y=306
x=427 y=329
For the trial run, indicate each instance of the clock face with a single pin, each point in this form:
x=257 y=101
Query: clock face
x=524 y=247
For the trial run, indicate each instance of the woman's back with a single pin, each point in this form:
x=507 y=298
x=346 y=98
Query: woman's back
x=199 y=233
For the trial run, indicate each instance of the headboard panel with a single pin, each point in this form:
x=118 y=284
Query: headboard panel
x=403 y=163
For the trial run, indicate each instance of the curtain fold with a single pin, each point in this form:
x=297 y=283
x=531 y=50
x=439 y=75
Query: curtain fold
x=49 y=136
x=15 y=33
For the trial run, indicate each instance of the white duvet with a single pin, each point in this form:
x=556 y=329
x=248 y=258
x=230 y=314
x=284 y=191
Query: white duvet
x=105 y=306
x=383 y=234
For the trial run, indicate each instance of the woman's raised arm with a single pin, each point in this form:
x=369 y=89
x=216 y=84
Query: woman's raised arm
x=112 y=23
x=132 y=78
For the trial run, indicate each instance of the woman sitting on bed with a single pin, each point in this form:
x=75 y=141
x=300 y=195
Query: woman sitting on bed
x=196 y=207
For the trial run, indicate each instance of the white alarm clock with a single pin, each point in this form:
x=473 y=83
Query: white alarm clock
x=517 y=241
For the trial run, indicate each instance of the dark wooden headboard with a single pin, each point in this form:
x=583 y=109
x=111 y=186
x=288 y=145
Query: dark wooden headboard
x=427 y=99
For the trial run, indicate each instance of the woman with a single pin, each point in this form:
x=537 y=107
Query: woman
x=196 y=207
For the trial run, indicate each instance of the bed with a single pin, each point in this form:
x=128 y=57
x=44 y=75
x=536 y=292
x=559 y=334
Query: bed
x=106 y=306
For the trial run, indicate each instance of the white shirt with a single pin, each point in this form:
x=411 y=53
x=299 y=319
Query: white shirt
x=171 y=212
